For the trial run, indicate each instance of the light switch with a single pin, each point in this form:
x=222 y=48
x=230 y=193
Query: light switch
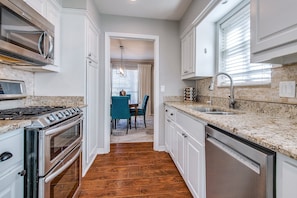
x=287 y=89
x=162 y=88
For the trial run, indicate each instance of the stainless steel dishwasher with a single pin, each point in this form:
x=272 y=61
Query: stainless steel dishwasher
x=237 y=168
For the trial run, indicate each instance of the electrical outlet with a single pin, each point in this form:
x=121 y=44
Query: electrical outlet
x=287 y=89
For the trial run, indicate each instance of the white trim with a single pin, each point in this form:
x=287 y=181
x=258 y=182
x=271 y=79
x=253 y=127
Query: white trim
x=157 y=108
x=86 y=169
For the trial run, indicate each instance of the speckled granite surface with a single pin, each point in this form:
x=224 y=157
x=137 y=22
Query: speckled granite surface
x=9 y=125
x=276 y=132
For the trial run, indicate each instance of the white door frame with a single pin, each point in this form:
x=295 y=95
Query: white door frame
x=155 y=39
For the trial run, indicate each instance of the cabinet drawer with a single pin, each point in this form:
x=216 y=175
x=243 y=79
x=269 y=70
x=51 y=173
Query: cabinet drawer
x=12 y=142
x=170 y=113
x=192 y=126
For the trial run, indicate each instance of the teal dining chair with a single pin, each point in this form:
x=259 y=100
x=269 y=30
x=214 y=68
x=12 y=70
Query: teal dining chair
x=120 y=109
x=141 y=111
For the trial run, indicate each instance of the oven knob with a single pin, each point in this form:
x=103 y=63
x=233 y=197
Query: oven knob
x=72 y=111
x=59 y=115
x=66 y=113
x=51 y=118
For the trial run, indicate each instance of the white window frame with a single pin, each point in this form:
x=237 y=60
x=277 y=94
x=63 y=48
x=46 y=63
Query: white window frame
x=222 y=81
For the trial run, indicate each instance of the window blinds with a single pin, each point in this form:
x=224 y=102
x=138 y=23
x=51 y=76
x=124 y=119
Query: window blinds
x=234 y=50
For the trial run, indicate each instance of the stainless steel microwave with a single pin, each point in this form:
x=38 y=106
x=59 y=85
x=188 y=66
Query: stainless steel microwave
x=26 y=37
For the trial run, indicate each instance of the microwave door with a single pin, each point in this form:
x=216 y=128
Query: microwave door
x=21 y=32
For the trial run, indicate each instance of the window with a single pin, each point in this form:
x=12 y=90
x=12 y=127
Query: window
x=129 y=83
x=234 y=50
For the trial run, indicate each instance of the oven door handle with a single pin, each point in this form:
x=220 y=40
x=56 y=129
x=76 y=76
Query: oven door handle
x=64 y=167
x=58 y=129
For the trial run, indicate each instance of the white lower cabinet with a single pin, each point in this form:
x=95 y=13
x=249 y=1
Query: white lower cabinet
x=185 y=137
x=11 y=168
x=286 y=177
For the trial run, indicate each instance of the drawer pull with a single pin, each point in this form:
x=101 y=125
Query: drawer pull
x=22 y=173
x=5 y=156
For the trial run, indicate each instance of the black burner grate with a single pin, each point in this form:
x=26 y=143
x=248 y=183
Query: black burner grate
x=27 y=112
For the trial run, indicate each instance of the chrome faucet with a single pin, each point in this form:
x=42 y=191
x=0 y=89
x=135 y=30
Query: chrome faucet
x=231 y=97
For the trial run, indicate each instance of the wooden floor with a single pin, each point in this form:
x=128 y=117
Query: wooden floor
x=133 y=170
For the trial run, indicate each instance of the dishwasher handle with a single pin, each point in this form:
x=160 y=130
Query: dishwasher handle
x=236 y=155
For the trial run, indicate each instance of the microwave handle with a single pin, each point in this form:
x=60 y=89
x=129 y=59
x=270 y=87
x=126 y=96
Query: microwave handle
x=51 y=46
x=41 y=39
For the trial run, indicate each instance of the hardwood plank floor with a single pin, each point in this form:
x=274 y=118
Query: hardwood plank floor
x=133 y=170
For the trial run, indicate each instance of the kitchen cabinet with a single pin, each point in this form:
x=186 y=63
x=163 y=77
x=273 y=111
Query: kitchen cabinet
x=170 y=134
x=191 y=152
x=273 y=31
x=185 y=142
x=91 y=111
x=286 y=176
x=92 y=42
x=188 y=54
x=198 y=51
x=11 y=170
x=85 y=71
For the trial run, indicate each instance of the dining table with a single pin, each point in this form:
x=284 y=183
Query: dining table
x=134 y=105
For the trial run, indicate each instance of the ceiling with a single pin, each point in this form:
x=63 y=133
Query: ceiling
x=153 y=9
x=132 y=49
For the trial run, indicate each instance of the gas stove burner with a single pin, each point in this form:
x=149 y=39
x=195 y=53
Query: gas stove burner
x=41 y=116
x=25 y=112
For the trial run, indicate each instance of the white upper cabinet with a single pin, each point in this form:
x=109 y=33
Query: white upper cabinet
x=92 y=42
x=274 y=31
x=188 y=55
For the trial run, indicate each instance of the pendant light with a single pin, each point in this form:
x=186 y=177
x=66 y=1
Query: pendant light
x=121 y=69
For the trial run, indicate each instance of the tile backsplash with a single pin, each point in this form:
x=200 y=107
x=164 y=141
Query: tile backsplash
x=6 y=72
x=257 y=98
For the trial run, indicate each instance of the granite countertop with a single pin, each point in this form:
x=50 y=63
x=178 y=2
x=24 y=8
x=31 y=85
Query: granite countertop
x=9 y=125
x=277 y=133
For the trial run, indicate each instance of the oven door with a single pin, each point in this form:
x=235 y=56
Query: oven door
x=65 y=179
x=56 y=142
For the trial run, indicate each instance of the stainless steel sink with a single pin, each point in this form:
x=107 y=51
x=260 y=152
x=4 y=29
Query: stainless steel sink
x=215 y=111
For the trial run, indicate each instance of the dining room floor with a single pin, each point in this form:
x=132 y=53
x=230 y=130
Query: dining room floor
x=140 y=134
x=133 y=170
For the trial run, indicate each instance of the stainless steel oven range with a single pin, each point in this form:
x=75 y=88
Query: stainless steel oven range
x=52 y=150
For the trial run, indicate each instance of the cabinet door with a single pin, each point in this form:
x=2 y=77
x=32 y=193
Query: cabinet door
x=92 y=115
x=195 y=167
x=92 y=42
x=286 y=177
x=12 y=184
x=38 y=5
x=270 y=30
x=167 y=135
x=180 y=150
x=188 y=53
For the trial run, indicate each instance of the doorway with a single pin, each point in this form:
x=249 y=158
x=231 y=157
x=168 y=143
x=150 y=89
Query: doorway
x=155 y=40
x=132 y=68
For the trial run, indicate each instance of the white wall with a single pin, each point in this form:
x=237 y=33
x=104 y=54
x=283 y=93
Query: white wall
x=192 y=12
x=169 y=66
